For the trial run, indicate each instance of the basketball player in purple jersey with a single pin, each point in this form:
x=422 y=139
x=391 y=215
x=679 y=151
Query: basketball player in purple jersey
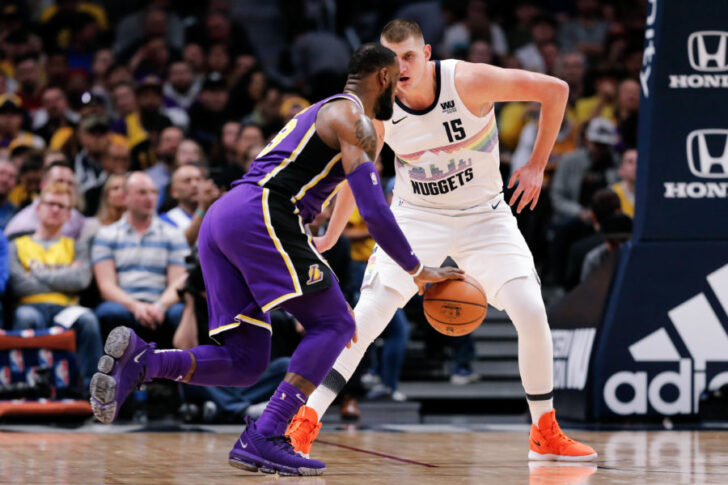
x=256 y=256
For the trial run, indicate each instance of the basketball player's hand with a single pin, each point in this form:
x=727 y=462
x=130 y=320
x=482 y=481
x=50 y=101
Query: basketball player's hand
x=323 y=243
x=433 y=275
x=530 y=180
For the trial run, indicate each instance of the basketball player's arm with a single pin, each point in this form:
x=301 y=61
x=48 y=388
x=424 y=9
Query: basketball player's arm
x=344 y=205
x=480 y=85
x=358 y=142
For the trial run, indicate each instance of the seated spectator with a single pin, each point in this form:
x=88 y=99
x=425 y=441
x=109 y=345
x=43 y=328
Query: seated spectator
x=31 y=171
x=224 y=151
x=161 y=171
x=111 y=206
x=47 y=272
x=8 y=177
x=602 y=104
x=578 y=176
x=137 y=262
x=181 y=88
x=194 y=195
x=28 y=74
x=615 y=231
x=583 y=172
x=604 y=204
x=627 y=172
x=586 y=31
x=54 y=115
x=11 y=121
x=26 y=221
x=94 y=137
x=116 y=160
x=543 y=31
x=209 y=112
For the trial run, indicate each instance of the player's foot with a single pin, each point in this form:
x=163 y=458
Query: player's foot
x=303 y=430
x=121 y=371
x=254 y=452
x=548 y=442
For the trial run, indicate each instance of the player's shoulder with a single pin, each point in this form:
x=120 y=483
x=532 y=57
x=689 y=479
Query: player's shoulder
x=472 y=72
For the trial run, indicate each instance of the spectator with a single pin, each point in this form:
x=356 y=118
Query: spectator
x=602 y=104
x=30 y=174
x=137 y=262
x=11 y=120
x=615 y=230
x=225 y=150
x=578 y=176
x=60 y=20
x=93 y=136
x=628 y=102
x=124 y=103
x=520 y=34
x=26 y=221
x=8 y=177
x=161 y=171
x=189 y=151
x=481 y=52
x=66 y=138
x=194 y=195
x=543 y=32
x=30 y=83
x=54 y=115
x=208 y=113
x=156 y=20
x=604 y=204
x=476 y=24
x=48 y=271
x=583 y=172
x=111 y=206
x=586 y=32
x=116 y=160
x=625 y=187
x=181 y=88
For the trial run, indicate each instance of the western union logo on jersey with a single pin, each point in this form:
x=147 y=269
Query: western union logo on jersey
x=448 y=106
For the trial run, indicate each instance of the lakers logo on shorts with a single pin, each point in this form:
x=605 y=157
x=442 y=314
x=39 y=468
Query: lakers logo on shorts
x=314 y=274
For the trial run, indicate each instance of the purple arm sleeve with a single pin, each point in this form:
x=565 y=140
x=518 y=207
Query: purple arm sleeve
x=374 y=210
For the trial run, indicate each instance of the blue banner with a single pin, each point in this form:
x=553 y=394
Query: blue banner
x=682 y=173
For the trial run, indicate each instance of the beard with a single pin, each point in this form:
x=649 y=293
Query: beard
x=384 y=108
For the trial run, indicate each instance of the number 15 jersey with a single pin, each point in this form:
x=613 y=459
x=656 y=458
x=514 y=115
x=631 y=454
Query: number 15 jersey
x=445 y=156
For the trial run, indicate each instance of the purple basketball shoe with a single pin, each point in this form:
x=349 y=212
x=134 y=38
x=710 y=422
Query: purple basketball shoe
x=254 y=452
x=121 y=371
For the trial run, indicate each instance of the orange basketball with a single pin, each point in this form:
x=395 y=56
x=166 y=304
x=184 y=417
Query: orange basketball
x=455 y=307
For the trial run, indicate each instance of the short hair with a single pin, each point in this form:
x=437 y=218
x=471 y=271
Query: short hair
x=33 y=162
x=57 y=163
x=58 y=188
x=370 y=58
x=605 y=203
x=399 y=30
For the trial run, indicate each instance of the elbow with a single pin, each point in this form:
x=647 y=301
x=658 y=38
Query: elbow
x=561 y=89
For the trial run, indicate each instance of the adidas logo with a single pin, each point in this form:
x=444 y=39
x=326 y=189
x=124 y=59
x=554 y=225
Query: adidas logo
x=706 y=340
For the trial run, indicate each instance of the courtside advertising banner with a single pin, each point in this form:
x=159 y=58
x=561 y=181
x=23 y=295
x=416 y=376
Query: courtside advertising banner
x=664 y=335
x=682 y=191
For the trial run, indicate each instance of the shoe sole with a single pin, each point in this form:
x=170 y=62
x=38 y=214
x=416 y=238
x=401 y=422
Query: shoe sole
x=103 y=386
x=532 y=455
x=257 y=467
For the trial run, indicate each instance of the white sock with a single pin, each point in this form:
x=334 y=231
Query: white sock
x=375 y=309
x=523 y=302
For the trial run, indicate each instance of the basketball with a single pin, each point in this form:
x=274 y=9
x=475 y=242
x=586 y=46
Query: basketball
x=455 y=307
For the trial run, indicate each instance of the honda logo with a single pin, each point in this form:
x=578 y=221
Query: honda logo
x=708 y=50
x=700 y=160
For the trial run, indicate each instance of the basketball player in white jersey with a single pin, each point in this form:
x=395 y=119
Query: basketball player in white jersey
x=448 y=200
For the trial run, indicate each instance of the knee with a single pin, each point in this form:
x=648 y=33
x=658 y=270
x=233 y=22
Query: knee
x=27 y=317
x=87 y=323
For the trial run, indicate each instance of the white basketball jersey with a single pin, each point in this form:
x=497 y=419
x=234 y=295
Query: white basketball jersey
x=445 y=156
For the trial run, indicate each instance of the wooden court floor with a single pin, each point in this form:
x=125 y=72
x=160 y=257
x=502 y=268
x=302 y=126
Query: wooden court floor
x=670 y=457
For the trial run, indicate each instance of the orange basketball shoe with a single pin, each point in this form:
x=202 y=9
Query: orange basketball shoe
x=303 y=430
x=548 y=442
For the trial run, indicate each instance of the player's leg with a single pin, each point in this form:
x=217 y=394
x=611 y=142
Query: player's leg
x=521 y=298
x=504 y=267
x=235 y=318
